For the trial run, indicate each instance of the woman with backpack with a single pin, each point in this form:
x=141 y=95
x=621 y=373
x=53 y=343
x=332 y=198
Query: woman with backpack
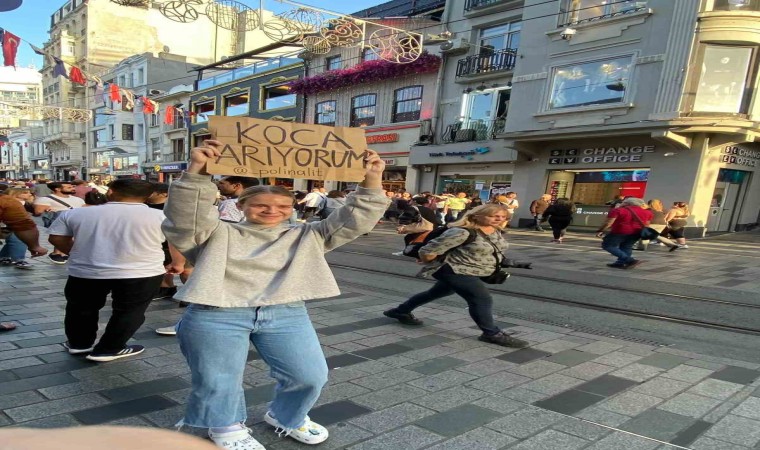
x=471 y=250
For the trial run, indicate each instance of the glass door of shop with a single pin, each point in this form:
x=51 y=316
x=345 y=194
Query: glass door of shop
x=726 y=200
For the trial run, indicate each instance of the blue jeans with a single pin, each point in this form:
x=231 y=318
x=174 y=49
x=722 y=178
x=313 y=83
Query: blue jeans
x=215 y=342
x=471 y=288
x=621 y=245
x=14 y=248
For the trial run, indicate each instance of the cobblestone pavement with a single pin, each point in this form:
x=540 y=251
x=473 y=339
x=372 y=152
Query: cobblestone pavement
x=396 y=387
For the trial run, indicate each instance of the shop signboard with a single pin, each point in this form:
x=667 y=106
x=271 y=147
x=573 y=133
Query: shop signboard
x=266 y=148
x=172 y=167
x=740 y=156
x=595 y=155
x=382 y=138
x=389 y=161
x=500 y=188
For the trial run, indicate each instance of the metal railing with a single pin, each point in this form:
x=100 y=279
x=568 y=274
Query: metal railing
x=469 y=5
x=469 y=130
x=614 y=9
x=494 y=62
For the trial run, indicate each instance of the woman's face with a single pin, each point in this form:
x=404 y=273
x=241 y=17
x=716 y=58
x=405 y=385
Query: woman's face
x=267 y=209
x=492 y=220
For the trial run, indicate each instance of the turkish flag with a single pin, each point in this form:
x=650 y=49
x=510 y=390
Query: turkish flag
x=10 y=48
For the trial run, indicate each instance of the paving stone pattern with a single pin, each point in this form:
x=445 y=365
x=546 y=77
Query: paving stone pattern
x=395 y=387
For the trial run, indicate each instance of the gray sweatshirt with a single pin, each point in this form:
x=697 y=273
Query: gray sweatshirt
x=245 y=264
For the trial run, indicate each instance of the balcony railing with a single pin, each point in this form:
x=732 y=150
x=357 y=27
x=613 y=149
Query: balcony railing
x=589 y=11
x=494 y=62
x=470 y=130
x=469 y=5
x=247 y=71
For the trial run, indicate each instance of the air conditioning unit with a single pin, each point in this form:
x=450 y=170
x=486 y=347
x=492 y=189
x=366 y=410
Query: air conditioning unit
x=455 y=46
x=156 y=92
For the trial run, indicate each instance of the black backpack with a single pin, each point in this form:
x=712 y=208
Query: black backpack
x=409 y=216
x=413 y=250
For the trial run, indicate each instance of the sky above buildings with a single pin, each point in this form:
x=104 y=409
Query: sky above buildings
x=32 y=20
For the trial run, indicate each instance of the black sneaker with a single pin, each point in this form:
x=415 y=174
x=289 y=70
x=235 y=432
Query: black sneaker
x=58 y=259
x=126 y=352
x=504 y=340
x=405 y=318
x=616 y=266
x=632 y=264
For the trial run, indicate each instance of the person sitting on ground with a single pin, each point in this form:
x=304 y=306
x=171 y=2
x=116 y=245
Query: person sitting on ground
x=249 y=285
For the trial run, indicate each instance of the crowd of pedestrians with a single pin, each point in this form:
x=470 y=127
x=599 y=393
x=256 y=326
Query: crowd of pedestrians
x=130 y=239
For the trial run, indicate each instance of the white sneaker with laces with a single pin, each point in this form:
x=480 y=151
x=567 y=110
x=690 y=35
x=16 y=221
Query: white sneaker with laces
x=310 y=433
x=167 y=331
x=236 y=440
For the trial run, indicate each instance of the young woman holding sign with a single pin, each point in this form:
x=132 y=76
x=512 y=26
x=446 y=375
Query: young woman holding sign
x=249 y=284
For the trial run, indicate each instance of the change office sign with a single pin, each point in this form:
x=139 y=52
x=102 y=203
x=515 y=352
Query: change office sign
x=594 y=155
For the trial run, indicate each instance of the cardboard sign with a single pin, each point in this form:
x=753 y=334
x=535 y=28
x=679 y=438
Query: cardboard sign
x=267 y=148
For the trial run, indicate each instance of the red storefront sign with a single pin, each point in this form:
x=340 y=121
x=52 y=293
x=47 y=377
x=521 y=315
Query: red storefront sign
x=382 y=138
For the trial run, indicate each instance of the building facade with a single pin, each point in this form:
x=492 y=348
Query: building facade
x=168 y=143
x=95 y=35
x=118 y=134
x=237 y=87
x=395 y=111
x=473 y=102
x=592 y=99
x=18 y=86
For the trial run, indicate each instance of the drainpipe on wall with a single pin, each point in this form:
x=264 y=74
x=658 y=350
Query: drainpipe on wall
x=439 y=79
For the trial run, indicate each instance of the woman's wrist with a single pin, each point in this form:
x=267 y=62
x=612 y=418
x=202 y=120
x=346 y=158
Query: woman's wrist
x=197 y=168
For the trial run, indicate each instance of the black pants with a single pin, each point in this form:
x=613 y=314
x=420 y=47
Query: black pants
x=85 y=297
x=471 y=288
x=559 y=225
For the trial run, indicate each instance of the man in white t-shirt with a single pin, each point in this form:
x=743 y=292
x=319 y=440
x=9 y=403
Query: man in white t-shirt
x=313 y=203
x=115 y=249
x=51 y=206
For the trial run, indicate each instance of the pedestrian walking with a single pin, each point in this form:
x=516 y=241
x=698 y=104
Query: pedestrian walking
x=625 y=224
x=560 y=216
x=41 y=189
x=509 y=200
x=471 y=249
x=334 y=200
x=249 y=285
x=231 y=188
x=115 y=249
x=81 y=188
x=658 y=223
x=51 y=206
x=456 y=206
x=313 y=203
x=13 y=252
x=537 y=208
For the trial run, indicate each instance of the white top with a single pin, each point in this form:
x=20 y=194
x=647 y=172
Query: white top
x=74 y=202
x=113 y=241
x=229 y=212
x=512 y=204
x=314 y=199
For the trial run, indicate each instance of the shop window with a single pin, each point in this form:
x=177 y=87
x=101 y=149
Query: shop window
x=324 y=113
x=279 y=96
x=580 y=11
x=591 y=83
x=128 y=132
x=363 y=110
x=236 y=105
x=333 y=63
x=407 y=104
x=203 y=110
x=125 y=163
x=724 y=85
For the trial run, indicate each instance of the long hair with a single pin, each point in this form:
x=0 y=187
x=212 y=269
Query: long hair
x=258 y=190
x=656 y=205
x=682 y=205
x=470 y=219
x=14 y=191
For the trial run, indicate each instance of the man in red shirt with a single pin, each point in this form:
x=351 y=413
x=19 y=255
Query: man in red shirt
x=625 y=224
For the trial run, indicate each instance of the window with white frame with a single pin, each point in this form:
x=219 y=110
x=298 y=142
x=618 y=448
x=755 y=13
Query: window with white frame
x=278 y=96
x=236 y=105
x=501 y=37
x=369 y=55
x=599 y=82
x=324 y=113
x=407 y=104
x=363 y=110
x=203 y=110
x=579 y=11
x=724 y=80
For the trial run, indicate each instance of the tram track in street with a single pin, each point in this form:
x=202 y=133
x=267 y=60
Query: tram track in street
x=522 y=274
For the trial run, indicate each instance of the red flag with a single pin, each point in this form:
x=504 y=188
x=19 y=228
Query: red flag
x=115 y=93
x=76 y=76
x=148 y=106
x=169 y=116
x=10 y=48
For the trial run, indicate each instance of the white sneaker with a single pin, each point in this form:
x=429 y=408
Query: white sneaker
x=683 y=246
x=236 y=440
x=76 y=351
x=398 y=254
x=167 y=331
x=310 y=433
